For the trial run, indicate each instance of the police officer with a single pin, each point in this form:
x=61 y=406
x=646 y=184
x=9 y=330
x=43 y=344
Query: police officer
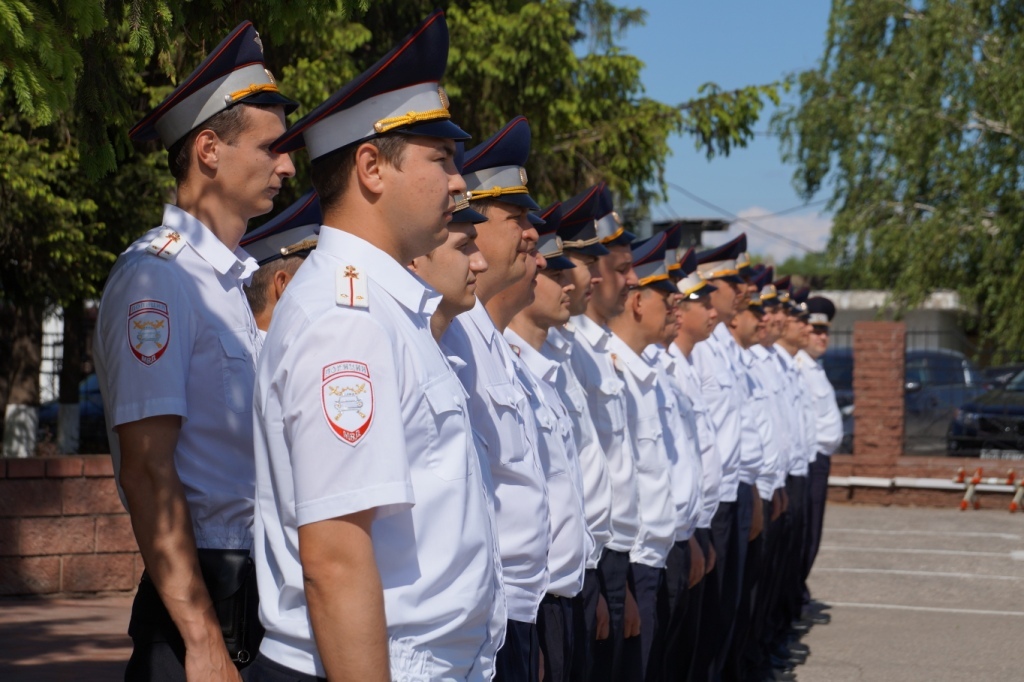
x=646 y=314
x=279 y=248
x=571 y=542
x=828 y=429
x=593 y=210
x=502 y=417
x=696 y=319
x=365 y=459
x=580 y=245
x=175 y=351
x=715 y=361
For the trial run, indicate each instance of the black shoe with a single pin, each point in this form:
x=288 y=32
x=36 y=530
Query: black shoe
x=787 y=675
x=817 y=618
x=799 y=649
x=779 y=663
x=800 y=626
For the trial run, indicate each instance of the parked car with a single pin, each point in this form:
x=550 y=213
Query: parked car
x=92 y=434
x=937 y=381
x=991 y=424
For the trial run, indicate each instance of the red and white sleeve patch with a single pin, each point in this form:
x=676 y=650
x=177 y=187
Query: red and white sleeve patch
x=347 y=398
x=149 y=330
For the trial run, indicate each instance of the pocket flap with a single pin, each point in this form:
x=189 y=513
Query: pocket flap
x=442 y=397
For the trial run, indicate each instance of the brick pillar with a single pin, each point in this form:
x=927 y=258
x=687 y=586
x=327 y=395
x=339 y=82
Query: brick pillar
x=878 y=357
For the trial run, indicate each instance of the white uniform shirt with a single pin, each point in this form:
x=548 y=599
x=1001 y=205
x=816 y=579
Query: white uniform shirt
x=713 y=359
x=680 y=442
x=597 y=487
x=175 y=336
x=571 y=542
x=606 y=398
x=711 y=463
x=768 y=373
x=506 y=431
x=827 y=418
x=356 y=409
x=799 y=456
x=653 y=472
x=758 y=433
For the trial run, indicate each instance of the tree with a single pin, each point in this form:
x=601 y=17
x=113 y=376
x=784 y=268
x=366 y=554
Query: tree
x=914 y=120
x=76 y=74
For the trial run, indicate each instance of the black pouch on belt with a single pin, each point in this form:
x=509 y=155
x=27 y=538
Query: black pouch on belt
x=230 y=578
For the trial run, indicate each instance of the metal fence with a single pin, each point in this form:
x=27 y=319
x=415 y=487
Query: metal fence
x=958 y=399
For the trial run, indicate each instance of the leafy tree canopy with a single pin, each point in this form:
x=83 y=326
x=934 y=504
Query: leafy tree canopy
x=913 y=121
x=76 y=74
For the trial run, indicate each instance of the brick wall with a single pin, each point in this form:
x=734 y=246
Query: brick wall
x=879 y=349
x=63 y=529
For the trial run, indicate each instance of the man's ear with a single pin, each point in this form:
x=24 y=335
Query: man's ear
x=280 y=281
x=368 y=167
x=206 y=151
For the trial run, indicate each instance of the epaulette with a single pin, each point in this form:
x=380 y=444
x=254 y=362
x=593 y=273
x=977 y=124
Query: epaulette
x=167 y=244
x=352 y=289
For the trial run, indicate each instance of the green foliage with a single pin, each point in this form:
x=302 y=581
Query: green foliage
x=76 y=74
x=913 y=121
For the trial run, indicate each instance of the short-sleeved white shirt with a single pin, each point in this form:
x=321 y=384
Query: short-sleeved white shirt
x=711 y=464
x=571 y=542
x=828 y=420
x=597 y=488
x=757 y=438
x=653 y=472
x=766 y=371
x=505 y=429
x=713 y=361
x=799 y=454
x=175 y=336
x=680 y=442
x=356 y=409
x=606 y=398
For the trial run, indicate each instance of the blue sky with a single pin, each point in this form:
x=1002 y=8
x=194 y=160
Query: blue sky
x=733 y=43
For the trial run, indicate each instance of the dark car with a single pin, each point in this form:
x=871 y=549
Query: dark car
x=937 y=381
x=992 y=424
x=92 y=435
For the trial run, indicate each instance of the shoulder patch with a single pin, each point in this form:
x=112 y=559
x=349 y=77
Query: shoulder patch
x=346 y=395
x=167 y=245
x=149 y=330
x=352 y=290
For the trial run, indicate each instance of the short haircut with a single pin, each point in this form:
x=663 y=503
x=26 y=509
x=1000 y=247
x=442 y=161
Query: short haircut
x=227 y=125
x=330 y=173
x=256 y=290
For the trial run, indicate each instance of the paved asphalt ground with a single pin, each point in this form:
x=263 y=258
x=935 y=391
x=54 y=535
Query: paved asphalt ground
x=914 y=594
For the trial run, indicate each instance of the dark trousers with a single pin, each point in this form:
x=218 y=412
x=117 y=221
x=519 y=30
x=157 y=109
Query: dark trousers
x=519 y=659
x=555 y=623
x=692 y=617
x=721 y=599
x=670 y=649
x=158 y=651
x=648 y=586
x=612 y=571
x=750 y=592
x=265 y=670
x=585 y=632
x=818 y=495
x=791 y=596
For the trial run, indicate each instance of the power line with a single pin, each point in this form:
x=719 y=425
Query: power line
x=732 y=216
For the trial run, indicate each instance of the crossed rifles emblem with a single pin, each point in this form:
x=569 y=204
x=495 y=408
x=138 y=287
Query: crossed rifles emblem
x=347 y=400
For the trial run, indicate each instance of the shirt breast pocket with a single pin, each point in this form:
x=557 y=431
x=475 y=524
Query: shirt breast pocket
x=649 y=434
x=724 y=379
x=550 y=429
x=448 y=428
x=238 y=374
x=509 y=426
x=611 y=400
